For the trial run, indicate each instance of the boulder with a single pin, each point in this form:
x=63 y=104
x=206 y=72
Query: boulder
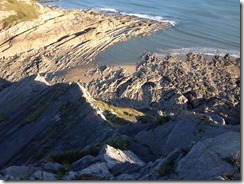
x=163 y=168
x=19 y=172
x=70 y=176
x=125 y=168
x=216 y=118
x=50 y=166
x=97 y=170
x=8 y=177
x=126 y=177
x=84 y=162
x=184 y=130
x=42 y=175
x=211 y=158
x=114 y=156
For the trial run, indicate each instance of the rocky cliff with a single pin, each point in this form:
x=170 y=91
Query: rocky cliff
x=60 y=131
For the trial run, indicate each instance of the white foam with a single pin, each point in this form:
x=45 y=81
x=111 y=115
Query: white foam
x=201 y=50
x=108 y=10
x=151 y=17
x=144 y=16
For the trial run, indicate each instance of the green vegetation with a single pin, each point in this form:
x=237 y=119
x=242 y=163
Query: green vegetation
x=62 y=171
x=163 y=119
x=119 y=115
x=166 y=168
x=2 y=117
x=41 y=152
x=68 y=157
x=24 y=177
x=74 y=155
x=37 y=111
x=24 y=12
x=233 y=162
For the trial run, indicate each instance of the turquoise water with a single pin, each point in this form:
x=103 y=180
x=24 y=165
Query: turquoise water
x=205 y=26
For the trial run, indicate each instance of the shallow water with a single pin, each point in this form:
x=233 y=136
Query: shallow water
x=206 y=26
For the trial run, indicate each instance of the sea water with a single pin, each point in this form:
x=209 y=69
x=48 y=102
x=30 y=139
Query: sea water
x=203 y=26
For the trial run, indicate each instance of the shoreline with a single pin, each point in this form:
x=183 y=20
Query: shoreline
x=48 y=44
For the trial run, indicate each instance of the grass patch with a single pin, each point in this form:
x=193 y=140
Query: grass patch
x=37 y=111
x=119 y=115
x=68 y=157
x=166 y=168
x=24 y=12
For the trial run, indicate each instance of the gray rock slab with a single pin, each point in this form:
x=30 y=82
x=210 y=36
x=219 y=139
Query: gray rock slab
x=206 y=160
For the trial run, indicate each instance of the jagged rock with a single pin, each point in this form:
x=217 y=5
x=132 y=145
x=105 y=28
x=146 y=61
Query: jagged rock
x=209 y=158
x=216 y=118
x=98 y=170
x=161 y=168
x=42 y=175
x=9 y=177
x=126 y=177
x=125 y=168
x=194 y=84
x=70 y=176
x=50 y=166
x=133 y=129
x=114 y=156
x=19 y=172
x=84 y=162
x=185 y=129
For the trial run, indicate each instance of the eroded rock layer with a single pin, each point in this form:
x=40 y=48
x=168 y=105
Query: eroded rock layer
x=60 y=39
x=195 y=82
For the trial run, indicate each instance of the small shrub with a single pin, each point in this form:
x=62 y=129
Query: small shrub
x=24 y=177
x=66 y=157
x=71 y=156
x=62 y=171
x=163 y=119
x=166 y=168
